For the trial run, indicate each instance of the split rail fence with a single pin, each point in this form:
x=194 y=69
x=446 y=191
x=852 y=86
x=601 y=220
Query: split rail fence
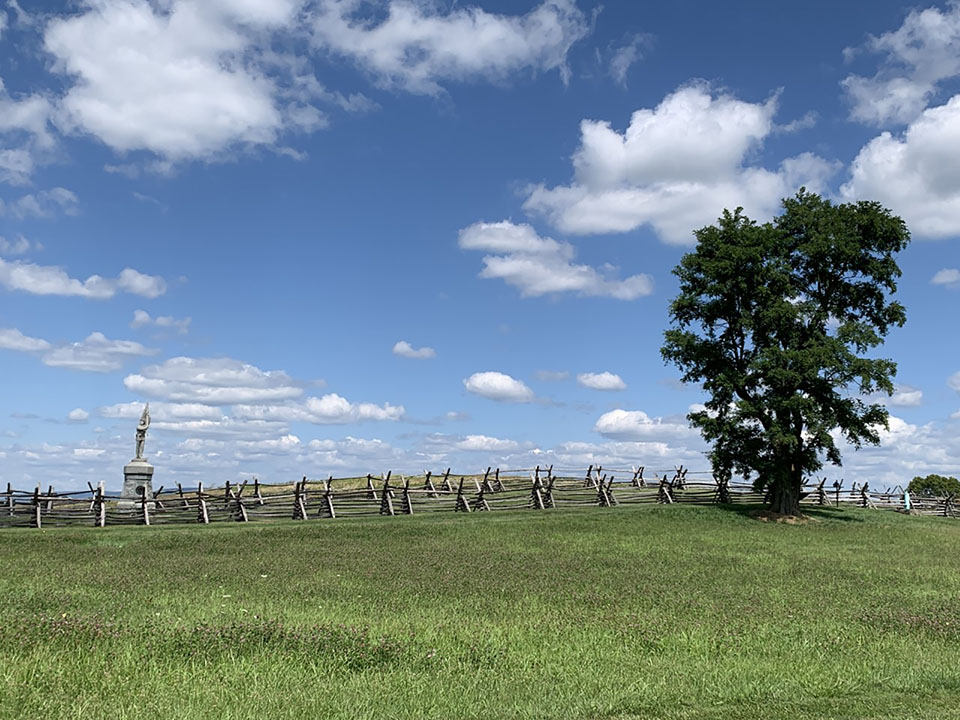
x=494 y=490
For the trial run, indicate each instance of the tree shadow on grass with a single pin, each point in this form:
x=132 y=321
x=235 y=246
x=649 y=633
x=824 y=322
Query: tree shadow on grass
x=817 y=512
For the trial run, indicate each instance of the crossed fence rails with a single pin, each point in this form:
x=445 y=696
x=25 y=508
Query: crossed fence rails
x=494 y=490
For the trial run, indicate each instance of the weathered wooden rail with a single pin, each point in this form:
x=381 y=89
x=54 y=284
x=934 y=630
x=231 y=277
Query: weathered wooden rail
x=495 y=490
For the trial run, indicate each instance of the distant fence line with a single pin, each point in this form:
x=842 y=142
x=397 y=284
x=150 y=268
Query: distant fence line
x=494 y=490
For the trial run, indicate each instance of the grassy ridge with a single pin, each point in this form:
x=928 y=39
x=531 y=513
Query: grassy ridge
x=662 y=612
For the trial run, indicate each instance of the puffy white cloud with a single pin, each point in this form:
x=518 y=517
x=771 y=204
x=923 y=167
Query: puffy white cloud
x=52 y=280
x=498 y=386
x=20 y=246
x=162 y=411
x=25 y=135
x=675 y=168
x=212 y=381
x=541 y=265
x=905 y=396
x=13 y=339
x=331 y=409
x=141 y=318
x=96 y=353
x=916 y=174
x=77 y=415
x=947 y=276
x=485 y=443
x=416 y=47
x=405 y=349
x=636 y=424
x=181 y=79
x=917 y=58
x=601 y=381
x=41 y=204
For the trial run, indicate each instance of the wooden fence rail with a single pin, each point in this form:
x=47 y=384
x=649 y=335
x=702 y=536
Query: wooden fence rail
x=539 y=489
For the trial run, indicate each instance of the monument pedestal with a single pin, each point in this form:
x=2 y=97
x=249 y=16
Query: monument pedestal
x=137 y=474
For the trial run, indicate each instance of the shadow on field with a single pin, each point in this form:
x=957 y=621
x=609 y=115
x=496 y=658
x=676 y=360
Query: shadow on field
x=819 y=512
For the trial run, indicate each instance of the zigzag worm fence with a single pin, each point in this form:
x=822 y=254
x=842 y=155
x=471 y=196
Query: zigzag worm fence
x=537 y=489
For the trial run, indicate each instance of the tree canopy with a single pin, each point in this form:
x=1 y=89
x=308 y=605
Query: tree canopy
x=934 y=485
x=775 y=322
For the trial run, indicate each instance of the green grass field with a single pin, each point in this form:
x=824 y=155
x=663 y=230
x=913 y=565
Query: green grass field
x=655 y=612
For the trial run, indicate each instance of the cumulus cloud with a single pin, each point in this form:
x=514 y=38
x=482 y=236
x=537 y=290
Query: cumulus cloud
x=13 y=339
x=601 y=381
x=916 y=174
x=498 y=386
x=77 y=415
x=212 y=381
x=416 y=46
x=96 y=353
x=675 y=168
x=41 y=204
x=637 y=425
x=917 y=57
x=20 y=246
x=331 y=409
x=161 y=411
x=141 y=319
x=541 y=265
x=151 y=77
x=52 y=280
x=25 y=134
x=947 y=276
x=405 y=349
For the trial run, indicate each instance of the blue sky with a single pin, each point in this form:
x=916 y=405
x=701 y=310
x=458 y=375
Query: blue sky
x=337 y=236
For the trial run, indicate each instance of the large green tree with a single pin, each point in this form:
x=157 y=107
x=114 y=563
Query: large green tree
x=776 y=321
x=934 y=485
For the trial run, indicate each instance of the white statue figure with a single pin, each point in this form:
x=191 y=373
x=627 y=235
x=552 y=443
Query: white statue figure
x=142 y=431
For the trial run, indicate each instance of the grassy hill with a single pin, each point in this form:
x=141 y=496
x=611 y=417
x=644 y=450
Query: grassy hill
x=656 y=612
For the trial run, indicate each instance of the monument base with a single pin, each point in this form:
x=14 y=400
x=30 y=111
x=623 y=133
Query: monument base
x=137 y=474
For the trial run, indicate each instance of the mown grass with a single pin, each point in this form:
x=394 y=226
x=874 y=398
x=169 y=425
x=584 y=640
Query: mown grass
x=657 y=612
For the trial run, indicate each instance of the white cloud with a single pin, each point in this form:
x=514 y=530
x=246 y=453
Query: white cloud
x=918 y=57
x=636 y=425
x=954 y=381
x=20 y=246
x=212 y=381
x=162 y=411
x=551 y=375
x=485 y=443
x=405 y=349
x=416 y=47
x=13 y=339
x=77 y=415
x=541 y=265
x=141 y=318
x=25 y=136
x=498 y=386
x=675 y=168
x=182 y=79
x=916 y=174
x=52 y=280
x=947 y=276
x=331 y=409
x=41 y=204
x=905 y=396
x=96 y=353
x=601 y=381
x=624 y=57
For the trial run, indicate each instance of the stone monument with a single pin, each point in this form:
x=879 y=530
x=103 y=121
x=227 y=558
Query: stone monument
x=138 y=473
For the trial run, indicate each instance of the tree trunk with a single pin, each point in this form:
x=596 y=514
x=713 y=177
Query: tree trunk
x=785 y=497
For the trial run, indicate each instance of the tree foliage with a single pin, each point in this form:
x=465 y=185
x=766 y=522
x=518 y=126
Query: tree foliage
x=934 y=485
x=775 y=321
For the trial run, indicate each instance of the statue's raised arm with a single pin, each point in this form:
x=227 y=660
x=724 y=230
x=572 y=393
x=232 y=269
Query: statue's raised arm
x=142 y=431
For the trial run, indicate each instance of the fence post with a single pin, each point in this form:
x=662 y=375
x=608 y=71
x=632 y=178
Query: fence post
x=863 y=494
x=663 y=492
x=497 y=482
x=548 y=492
x=183 y=500
x=407 y=502
x=241 y=511
x=446 y=481
x=101 y=519
x=588 y=478
x=256 y=491
x=821 y=497
x=486 y=480
x=386 y=497
x=536 y=497
x=299 y=509
x=328 y=497
x=371 y=490
x=428 y=485
x=36 y=507
x=142 y=491
x=462 y=504
x=10 y=503
x=638 y=480
x=202 y=515
x=611 y=498
x=602 y=499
